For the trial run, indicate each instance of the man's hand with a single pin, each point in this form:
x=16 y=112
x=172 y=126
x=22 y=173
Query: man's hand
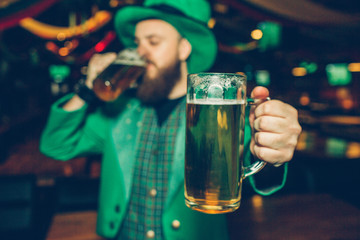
x=276 y=129
x=97 y=64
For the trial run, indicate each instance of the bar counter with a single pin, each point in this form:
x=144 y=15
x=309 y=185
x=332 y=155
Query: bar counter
x=295 y=217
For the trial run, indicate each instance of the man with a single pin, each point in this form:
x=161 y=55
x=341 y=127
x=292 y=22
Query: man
x=141 y=134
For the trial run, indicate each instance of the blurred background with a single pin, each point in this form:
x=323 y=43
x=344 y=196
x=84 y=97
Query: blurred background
x=307 y=52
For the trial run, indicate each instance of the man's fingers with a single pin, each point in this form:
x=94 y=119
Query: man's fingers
x=273 y=156
x=275 y=141
x=270 y=124
x=275 y=108
x=97 y=64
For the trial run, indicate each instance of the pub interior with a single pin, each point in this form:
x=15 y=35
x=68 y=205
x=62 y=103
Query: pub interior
x=306 y=52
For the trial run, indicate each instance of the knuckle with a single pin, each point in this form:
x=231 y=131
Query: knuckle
x=258 y=138
x=262 y=123
x=285 y=155
x=261 y=153
x=295 y=128
x=278 y=102
x=266 y=108
x=295 y=112
x=288 y=155
x=292 y=142
x=298 y=129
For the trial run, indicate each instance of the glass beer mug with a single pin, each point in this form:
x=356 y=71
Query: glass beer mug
x=121 y=74
x=215 y=121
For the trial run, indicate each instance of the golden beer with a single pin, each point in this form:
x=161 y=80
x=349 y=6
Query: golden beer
x=213 y=159
x=115 y=79
x=121 y=74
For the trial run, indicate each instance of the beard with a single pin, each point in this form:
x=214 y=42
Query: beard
x=152 y=91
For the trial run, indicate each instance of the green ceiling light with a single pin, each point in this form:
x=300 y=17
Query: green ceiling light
x=310 y=67
x=335 y=147
x=271 y=37
x=338 y=74
x=262 y=78
x=59 y=72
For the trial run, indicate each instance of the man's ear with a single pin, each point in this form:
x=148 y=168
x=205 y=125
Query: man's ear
x=184 y=49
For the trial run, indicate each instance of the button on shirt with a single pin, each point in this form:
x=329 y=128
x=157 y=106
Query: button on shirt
x=150 y=182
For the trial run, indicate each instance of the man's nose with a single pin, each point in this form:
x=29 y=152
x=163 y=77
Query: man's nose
x=142 y=51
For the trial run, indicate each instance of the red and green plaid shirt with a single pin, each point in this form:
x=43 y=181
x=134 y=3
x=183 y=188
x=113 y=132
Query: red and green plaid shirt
x=151 y=174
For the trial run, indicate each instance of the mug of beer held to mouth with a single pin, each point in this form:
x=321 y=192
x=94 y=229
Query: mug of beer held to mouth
x=120 y=75
x=215 y=123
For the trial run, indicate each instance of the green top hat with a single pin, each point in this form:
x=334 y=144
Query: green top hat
x=189 y=17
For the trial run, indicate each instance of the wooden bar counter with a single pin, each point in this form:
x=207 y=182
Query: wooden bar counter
x=74 y=226
x=293 y=217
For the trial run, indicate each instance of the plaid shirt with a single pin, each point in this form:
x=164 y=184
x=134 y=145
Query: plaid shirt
x=151 y=174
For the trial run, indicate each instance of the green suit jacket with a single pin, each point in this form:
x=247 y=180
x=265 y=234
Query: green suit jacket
x=82 y=132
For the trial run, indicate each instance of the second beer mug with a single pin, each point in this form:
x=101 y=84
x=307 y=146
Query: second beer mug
x=119 y=75
x=215 y=122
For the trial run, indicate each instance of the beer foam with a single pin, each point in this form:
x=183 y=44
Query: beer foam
x=216 y=101
x=130 y=56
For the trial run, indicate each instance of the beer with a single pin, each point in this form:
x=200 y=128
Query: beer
x=119 y=75
x=115 y=79
x=215 y=123
x=213 y=159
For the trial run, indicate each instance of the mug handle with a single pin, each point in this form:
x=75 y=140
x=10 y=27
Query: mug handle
x=258 y=165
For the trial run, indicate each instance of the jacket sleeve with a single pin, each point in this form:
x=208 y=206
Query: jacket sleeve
x=73 y=134
x=278 y=183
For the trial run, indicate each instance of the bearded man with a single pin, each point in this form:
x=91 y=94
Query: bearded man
x=141 y=134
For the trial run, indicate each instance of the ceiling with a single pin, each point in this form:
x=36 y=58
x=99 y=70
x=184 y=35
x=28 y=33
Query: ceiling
x=323 y=30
